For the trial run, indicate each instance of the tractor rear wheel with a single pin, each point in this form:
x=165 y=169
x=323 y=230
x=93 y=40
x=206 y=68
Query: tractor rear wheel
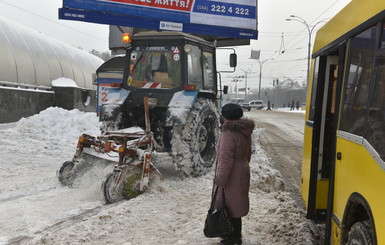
x=194 y=144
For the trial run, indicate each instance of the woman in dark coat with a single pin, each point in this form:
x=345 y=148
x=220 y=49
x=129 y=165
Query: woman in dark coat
x=233 y=170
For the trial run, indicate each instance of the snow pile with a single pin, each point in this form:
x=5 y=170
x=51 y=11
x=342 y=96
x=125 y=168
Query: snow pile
x=265 y=177
x=36 y=209
x=53 y=131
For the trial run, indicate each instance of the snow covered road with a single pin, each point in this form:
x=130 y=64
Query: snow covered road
x=283 y=142
x=36 y=209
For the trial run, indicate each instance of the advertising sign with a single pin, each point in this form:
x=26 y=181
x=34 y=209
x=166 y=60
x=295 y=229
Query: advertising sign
x=181 y=5
x=224 y=18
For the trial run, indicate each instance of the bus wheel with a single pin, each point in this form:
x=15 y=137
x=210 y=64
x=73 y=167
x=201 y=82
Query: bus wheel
x=361 y=234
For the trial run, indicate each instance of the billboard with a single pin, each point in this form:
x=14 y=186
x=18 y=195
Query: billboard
x=222 y=18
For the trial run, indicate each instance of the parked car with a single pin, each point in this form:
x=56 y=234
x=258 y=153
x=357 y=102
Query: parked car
x=242 y=103
x=238 y=101
x=245 y=106
x=256 y=104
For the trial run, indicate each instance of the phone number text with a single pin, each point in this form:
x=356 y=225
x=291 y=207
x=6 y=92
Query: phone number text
x=231 y=10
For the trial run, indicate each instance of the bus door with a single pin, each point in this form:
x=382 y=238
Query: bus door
x=327 y=126
x=328 y=84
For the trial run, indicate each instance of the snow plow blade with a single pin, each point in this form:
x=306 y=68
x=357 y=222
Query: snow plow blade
x=72 y=170
x=130 y=150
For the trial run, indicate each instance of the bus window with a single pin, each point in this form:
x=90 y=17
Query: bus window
x=383 y=37
x=377 y=109
x=357 y=87
x=314 y=89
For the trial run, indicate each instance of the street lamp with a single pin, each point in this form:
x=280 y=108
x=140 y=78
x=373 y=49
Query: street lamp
x=310 y=29
x=260 y=76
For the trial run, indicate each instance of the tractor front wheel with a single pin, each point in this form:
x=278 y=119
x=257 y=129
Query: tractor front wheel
x=194 y=144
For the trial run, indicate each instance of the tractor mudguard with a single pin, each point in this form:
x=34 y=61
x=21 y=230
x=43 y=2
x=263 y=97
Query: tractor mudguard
x=116 y=96
x=179 y=107
x=113 y=101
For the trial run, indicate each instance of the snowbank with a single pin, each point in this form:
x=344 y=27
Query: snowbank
x=54 y=132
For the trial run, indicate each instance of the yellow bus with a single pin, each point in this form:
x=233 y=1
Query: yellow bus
x=343 y=168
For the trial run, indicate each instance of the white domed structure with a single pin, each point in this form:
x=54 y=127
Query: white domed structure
x=30 y=61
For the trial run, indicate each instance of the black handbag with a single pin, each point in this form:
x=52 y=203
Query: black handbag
x=218 y=223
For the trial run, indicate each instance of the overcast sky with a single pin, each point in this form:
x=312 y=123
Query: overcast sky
x=42 y=16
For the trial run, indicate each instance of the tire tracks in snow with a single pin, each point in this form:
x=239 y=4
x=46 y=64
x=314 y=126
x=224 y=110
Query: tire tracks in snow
x=70 y=221
x=282 y=139
x=286 y=154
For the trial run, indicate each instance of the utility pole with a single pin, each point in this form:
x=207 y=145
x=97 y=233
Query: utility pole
x=260 y=76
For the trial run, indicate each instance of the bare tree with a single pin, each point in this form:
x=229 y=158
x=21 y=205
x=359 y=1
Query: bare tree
x=103 y=55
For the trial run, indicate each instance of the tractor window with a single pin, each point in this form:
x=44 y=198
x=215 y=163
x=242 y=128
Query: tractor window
x=194 y=66
x=155 y=67
x=208 y=70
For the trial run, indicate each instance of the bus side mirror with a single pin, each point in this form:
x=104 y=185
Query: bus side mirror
x=233 y=60
x=225 y=89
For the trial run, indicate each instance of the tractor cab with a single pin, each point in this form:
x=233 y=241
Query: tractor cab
x=166 y=62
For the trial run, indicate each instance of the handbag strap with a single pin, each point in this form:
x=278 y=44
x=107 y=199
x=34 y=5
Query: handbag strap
x=223 y=198
x=214 y=198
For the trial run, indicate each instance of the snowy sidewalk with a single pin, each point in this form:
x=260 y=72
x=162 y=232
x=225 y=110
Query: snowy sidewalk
x=172 y=212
